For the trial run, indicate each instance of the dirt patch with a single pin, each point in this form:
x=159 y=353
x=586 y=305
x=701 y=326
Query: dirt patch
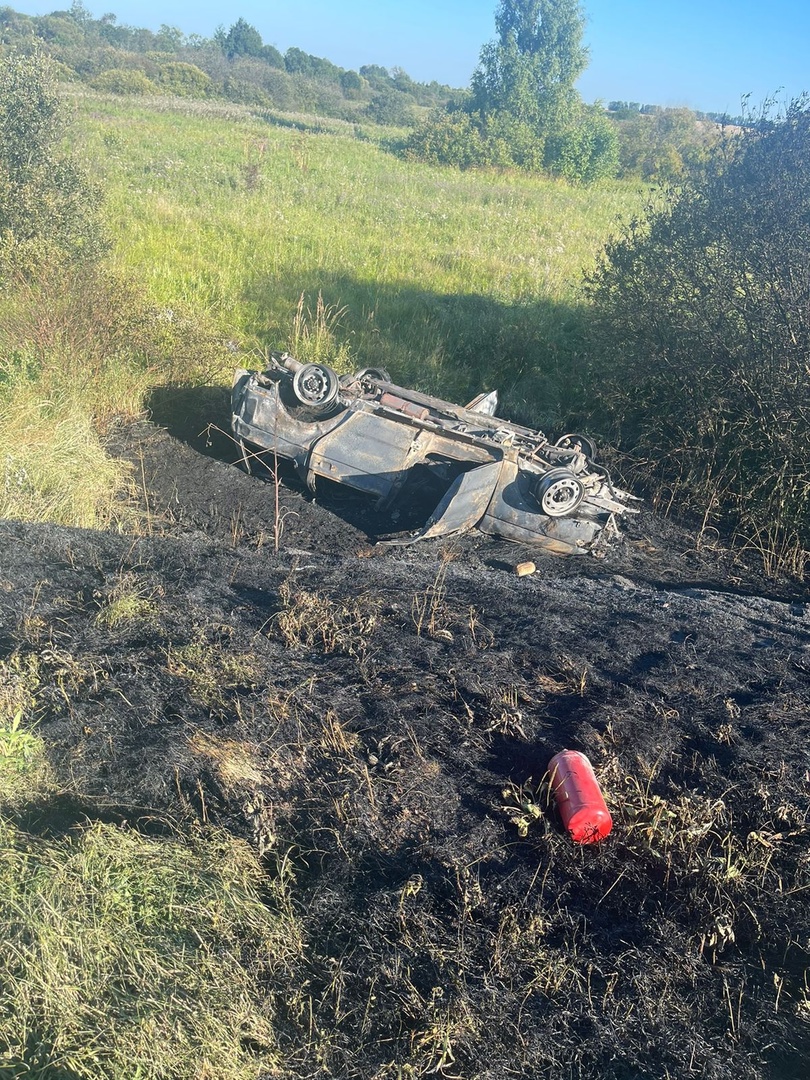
x=378 y=722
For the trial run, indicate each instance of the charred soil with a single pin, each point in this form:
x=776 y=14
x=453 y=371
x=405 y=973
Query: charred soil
x=378 y=721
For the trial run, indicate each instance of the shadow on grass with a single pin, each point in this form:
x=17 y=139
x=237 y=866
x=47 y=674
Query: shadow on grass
x=452 y=345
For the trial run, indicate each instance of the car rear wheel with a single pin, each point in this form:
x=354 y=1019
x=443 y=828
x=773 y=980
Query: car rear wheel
x=316 y=386
x=559 y=492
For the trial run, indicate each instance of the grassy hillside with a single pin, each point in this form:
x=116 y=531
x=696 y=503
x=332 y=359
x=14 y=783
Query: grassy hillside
x=452 y=280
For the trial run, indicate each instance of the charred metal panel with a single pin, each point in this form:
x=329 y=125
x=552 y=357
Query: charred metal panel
x=363 y=453
x=463 y=506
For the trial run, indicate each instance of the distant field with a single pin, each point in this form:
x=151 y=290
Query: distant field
x=454 y=280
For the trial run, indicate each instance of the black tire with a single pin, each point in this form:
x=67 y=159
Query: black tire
x=558 y=493
x=572 y=441
x=316 y=387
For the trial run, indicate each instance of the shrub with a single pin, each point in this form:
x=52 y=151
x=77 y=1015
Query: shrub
x=185 y=80
x=46 y=203
x=664 y=145
x=449 y=138
x=586 y=151
x=510 y=141
x=701 y=335
x=391 y=107
x=245 y=93
x=124 y=81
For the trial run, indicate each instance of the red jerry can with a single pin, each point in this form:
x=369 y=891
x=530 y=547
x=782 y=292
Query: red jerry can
x=579 y=800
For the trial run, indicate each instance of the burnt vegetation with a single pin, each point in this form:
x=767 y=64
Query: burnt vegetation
x=377 y=727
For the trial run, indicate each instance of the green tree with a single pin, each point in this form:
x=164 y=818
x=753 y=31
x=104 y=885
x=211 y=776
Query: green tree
x=170 y=38
x=351 y=84
x=272 y=56
x=523 y=103
x=530 y=71
x=46 y=203
x=241 y=40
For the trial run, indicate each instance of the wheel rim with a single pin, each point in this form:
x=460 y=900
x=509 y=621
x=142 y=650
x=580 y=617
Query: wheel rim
x=559 y=493
x=378 y=374
x=316 y=384
x=570 y=442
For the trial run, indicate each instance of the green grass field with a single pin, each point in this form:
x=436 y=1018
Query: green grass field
x=453 y=280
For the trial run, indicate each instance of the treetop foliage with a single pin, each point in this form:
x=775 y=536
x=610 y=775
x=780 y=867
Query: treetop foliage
x=532 y=67
x=549 y=31
x=242 y=40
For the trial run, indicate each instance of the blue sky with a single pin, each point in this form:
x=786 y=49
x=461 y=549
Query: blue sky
x=702 y=53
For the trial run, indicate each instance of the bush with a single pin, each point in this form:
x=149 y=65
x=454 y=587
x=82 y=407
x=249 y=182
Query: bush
x=391 y=107
x=47 y=205
x=586 y=151
x=664 y=145
x=512 y=142
x=702 y=332
x=449 y=138
x=124 y=81
x=185 y=80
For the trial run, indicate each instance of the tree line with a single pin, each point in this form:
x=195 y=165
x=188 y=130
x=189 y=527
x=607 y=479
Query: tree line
x=235 y=65
x=521 y=110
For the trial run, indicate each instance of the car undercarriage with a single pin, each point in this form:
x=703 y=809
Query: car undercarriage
x=373 y=435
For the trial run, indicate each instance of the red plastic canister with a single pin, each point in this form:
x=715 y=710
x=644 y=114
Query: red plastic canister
x=578 y=797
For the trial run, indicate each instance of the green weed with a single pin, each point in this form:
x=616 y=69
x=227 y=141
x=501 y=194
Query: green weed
x=454 y=280
x=213 y=673
x=127 y=600
x=23 y=767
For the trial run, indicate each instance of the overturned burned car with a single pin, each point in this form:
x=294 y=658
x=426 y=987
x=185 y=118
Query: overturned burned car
x=379 y=438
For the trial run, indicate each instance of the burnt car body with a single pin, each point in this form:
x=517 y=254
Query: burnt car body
x=366 y=432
